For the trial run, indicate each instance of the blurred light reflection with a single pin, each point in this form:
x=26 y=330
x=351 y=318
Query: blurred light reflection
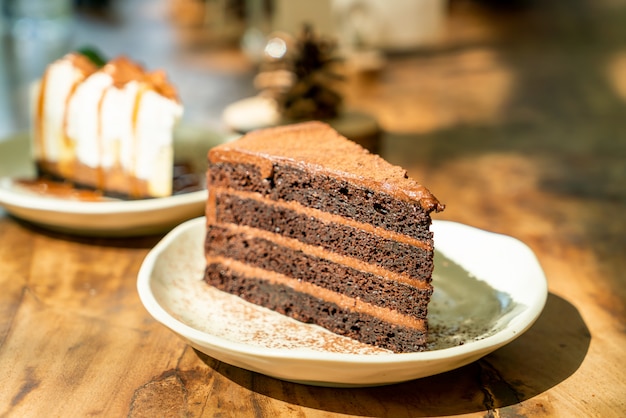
x=276 y=48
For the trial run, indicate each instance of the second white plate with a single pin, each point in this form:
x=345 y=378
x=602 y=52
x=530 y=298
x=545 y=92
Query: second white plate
x=489 y=289
x=103 y=218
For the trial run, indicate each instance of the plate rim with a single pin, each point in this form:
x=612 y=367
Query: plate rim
x=33 y=201
x=478 y=348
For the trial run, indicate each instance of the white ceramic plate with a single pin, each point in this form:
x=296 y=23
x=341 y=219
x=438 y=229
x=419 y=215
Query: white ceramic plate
x=485 y=313
x=111 y=217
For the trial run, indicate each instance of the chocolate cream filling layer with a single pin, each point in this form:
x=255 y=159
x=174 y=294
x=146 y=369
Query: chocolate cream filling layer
x=328 y=194
x=311 y=304
x=388 y=250
x=336 y=273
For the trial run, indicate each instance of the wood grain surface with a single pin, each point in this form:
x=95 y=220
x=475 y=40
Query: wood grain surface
x=516 y=120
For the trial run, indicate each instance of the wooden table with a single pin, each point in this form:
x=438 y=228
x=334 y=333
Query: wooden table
x=516 y=120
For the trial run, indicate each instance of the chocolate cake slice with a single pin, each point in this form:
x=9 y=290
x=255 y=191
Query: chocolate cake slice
x=303 y=221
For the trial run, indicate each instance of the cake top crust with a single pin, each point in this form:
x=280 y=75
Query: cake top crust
x=316 y=146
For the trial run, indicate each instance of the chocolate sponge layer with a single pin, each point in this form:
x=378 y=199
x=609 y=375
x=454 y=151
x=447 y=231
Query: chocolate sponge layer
x=308 y=309
x=327 y=194
x=371 y=288
x=343 y=239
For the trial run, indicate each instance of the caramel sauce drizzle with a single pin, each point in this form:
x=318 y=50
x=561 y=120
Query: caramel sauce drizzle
x=123 y=71
x=67 y=144
x=66 y=139
x=100 y=179
x=134 y=185
x=39 y=122
x=63 y=190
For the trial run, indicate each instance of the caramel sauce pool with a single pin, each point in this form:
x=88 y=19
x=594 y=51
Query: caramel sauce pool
x=185 y=180
x=60 y=189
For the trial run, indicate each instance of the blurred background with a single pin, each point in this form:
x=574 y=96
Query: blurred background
x=511 y=96
x=210 y=48
x=435 y=64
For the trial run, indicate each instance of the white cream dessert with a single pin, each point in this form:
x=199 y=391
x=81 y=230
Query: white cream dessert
x=108 y=128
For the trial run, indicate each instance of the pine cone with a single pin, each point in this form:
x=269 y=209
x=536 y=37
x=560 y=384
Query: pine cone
x=302 y=79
